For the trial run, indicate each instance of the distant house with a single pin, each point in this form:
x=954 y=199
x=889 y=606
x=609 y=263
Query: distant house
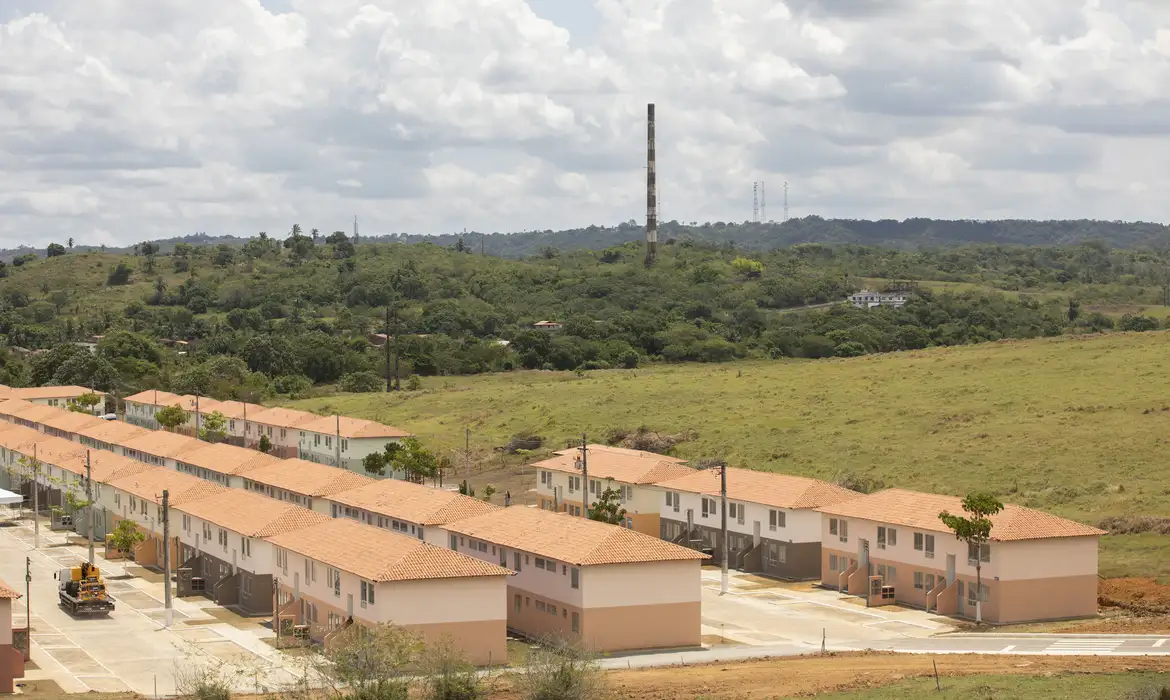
x=547 y=326
x=866 y=299
x=11 y=658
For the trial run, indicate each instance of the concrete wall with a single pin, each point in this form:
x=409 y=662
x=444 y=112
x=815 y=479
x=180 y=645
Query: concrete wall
x=554 y=585
x=5 y=621
x=800 y=525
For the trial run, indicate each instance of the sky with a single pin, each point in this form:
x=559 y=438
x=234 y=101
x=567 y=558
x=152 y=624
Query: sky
x=126 y=121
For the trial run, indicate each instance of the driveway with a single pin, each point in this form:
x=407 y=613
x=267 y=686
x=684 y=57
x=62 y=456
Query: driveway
x=131 y=649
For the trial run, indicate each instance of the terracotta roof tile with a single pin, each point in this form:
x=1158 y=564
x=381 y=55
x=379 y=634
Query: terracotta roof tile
x=8 y=592
x=155 y=397
x=622 y=465
x=282 y=417
x=14 y=407
x=252 y=515
x=71 y=421
x=36 y=412
x=307 y=478
x=182 y=488
x=921 y=510
x=415 y=503
x=113 y=432
x=574 y=540
x=21 y=439
x=107 y=466
x=162 y=444
x=379 y=555
x=352 y=428
x=235 y=410
x=765 y=488
x=224 y=458
x=52 y=392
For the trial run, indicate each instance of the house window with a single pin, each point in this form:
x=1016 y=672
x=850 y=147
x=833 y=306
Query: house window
x=594 y=485
x=328 y=441
x=918 y=580
x=576 y=622
x=367 y=594
x=777 y=518
x=517 y=602
x=516 y=561
x=575 y=577
x=454 y=543
x=833 y=563
x=543 y=477
x=316 y=440
x=929 y=546
x=891 y=537
x=892 y=572
x=777 y=554
x=983 y=552
x=344 y=445
x=881 y=538
x=984 y=593
x=843 y=530
x=245 y=546
x=832 y=526
x=627 y=493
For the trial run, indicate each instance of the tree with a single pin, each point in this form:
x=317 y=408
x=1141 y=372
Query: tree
x=559 y=670
x=488 y=492
x=607 y=508
x=747 y=267
x=265 y=444
x=125 y=536
x=408 y=456
x=213 y=427
x=54 y=250
x=85 y=403
x=70 y=242
x=171 y=417
x=149 y=250
x=160 y=292
x=1074 y=310
x=371 y=663
x=975 y=531
x=448 y=675
x=119 y=275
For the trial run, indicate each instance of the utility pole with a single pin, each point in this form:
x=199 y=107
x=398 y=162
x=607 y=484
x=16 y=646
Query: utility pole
x=467 y=456
x=36 y=487
x=28 y=607
x=397 y=378
x=722 y=467
x=166 y=518
x=89 y=505
x=386 y=344
x=196 y=416
x=337 y=437
x=584 y=476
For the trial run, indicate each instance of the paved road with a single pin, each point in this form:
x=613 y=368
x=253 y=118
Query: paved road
x=1012 y=645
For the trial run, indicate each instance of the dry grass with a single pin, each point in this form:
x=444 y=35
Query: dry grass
x=1074 y=425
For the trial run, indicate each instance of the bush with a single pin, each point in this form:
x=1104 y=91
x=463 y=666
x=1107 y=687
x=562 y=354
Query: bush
x=362 y=382
x=296 y=386
x=448 y=675
x=560 y=671
x=119 y=275
x=1137 y=322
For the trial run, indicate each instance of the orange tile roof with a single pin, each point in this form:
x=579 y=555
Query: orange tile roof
x=233 y=409
x=114 y=432
x=225 y=459
x=18 y=438
x=53 y=392
x=622 y=465
x=107 y=466
x=63 y=454
x=307 y=478
x=71 y=421
x=574 y=540
x=162 y=444
x=152 y=397
x=252 y=515
x=920 y=510
x=14 y=407
x=352 y=428
x=380 y=555
x=765 y=488
x=8 y=592
x=36 y=412
x=182 y=488
x=282 y=417
x=416 y=503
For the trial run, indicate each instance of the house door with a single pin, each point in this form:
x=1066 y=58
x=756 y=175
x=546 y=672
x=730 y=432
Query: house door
x=349 y=604
x=756 y=534
x=950 y=567
x=863 y=556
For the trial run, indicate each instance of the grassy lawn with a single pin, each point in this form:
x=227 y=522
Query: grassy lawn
x=1069 y=686
x=1078 y=426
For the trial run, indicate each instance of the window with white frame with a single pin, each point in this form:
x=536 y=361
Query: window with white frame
x=245 y=546
x=367 y=593
x=833 y=528
x=978 y=553
x=777 y=518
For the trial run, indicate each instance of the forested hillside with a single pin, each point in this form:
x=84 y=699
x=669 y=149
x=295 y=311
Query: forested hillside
x=909 y=234
x=291 y=316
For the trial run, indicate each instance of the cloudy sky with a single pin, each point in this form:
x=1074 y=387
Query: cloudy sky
x=122 y=120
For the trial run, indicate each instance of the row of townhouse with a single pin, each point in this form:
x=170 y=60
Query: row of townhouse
x=889 y=546
x=211 y=486
x=56 y=396
x=337 y=441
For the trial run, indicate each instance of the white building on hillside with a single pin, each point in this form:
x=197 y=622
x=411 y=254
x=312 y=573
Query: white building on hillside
x=866 y=299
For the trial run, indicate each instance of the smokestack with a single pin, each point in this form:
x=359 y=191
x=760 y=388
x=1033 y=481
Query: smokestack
x=355 y=231
x=651 y=189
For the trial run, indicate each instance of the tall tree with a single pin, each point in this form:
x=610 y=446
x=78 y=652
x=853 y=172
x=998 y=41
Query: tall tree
x=213 y=427
x=171 y=417
x=608 y=507
x=975 y=530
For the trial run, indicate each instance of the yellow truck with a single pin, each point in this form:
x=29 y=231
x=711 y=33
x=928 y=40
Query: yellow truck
x=83 y=592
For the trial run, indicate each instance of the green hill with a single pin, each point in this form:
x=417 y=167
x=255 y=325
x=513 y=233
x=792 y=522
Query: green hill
x=1074 y=425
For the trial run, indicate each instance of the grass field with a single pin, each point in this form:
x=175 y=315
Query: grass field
x=1076 y=425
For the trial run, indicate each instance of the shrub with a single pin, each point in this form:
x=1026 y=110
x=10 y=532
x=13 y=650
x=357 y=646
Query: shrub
x=362 y=382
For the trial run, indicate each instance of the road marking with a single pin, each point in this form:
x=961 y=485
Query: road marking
x=1159 y=643
x=1007 y=648
x=1085 y=646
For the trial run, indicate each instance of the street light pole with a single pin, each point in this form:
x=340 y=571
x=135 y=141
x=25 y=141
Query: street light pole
x=166 y=515
x=28 y=607
x=89 y=505
x=723 y=512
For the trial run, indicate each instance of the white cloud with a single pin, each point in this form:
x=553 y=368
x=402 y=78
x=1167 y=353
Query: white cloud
x=226 y=116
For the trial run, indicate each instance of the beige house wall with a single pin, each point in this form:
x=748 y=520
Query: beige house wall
x=1046 y=559
x=5 y=621
x=661 y=626
x=645 y=583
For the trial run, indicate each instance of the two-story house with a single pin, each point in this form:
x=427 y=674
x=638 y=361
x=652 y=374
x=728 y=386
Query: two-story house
x=18 y=443
x=65 y=424
x=307 y=484
x=223 y=544
x=342 y=570
x=141 y=408
x=344 y=442
x=25 y=413
x=58 y=396
x=280 y=426
x=109 y=435
x=138 y=498
x=157 y=446
x=559 y=484
x=401 y=506
x=220 y=462
x=1036 y=566
x=772 y=527
x=11 y=658
x=608 y=587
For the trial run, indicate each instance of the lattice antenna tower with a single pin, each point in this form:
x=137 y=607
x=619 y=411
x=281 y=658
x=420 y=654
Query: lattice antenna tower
x=755 y=201
x=786 y=200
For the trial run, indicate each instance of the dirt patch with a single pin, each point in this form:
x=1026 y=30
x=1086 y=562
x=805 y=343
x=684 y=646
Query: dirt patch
x=1135 y=595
